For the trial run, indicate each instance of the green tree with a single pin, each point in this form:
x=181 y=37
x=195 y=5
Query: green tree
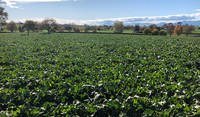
x=152 y=26
x=164 y=26
x=11 y=26
x=49 y=24
x=155 y=32
x=147 y=31
x=142 y=29
x=30 y=25
x=20 y=27
x=137 y=28
x=163 y=33
x=3 y=16
x=118 y=27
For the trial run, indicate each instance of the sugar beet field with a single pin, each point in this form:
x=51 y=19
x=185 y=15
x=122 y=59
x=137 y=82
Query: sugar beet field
x=99 y=75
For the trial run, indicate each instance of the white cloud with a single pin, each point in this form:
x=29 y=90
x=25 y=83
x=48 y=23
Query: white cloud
x=9 y=3
x=35 y=0
x=197 y=10
x=129 y=20
x=13 y=3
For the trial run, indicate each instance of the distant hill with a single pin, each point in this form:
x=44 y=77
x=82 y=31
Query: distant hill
x=196 y=23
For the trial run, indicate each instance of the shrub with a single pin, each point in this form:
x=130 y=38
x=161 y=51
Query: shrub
x=147 y=31
x=163 y=33
x=155 y=32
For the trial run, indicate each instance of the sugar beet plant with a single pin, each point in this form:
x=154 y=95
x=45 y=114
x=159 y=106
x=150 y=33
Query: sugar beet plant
x=99 y=75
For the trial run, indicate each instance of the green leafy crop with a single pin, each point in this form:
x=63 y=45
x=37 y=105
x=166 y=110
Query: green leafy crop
x=99 y=75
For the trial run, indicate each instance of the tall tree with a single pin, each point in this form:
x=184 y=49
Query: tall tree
x=85 y=28
x=118 y=27
x=137 y=28
x=3 y=16
x=178 y=29
x=49 y=24
x=187 y=29
x=152 y=26
x=20 y=27
x=29 y=25
x=11 y=26
x=147 y=31
x=170 y=29
x=164 y=26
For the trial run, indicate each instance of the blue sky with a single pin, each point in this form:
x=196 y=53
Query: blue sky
x=98 y=11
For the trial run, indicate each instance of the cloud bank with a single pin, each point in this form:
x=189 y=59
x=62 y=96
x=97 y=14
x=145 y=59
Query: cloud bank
x=14 y=3
x=129 y=20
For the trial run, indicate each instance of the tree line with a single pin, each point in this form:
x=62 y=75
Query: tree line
x=48 y=24
x=153 y=29
x=51 y=25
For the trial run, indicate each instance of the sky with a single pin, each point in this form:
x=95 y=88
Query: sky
x=99 y=12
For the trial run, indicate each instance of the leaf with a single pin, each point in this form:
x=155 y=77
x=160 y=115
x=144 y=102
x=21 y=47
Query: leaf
x=166 y=113
x=148 y=111
x=3 y=115
x=140 y=107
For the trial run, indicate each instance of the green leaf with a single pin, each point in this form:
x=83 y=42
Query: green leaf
x=166 y=113
x=148 y=111
x=3 y=115
x=140 y=107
